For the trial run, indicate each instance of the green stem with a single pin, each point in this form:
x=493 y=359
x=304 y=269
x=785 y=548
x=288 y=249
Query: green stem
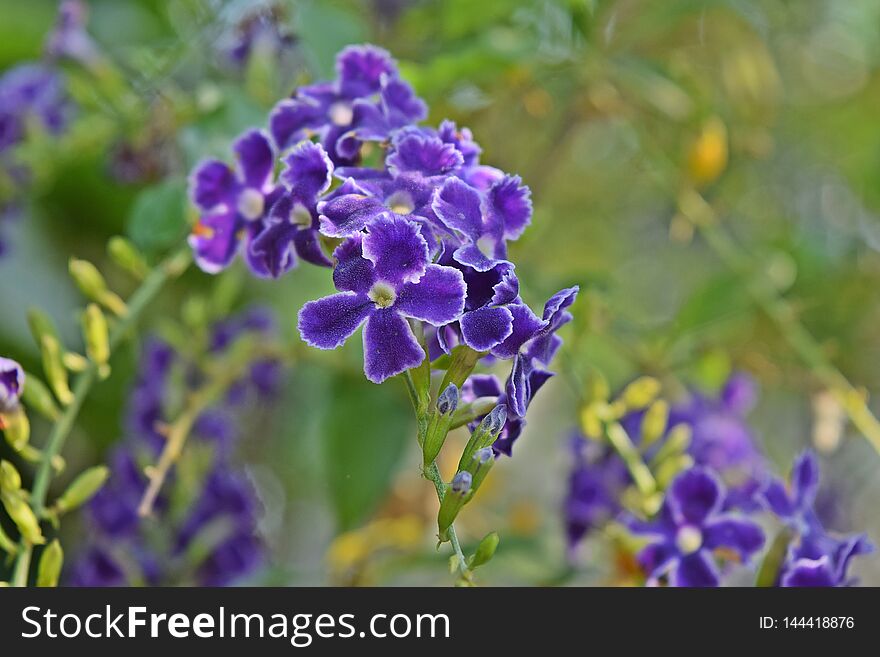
x=432 y=472
x=172 y=267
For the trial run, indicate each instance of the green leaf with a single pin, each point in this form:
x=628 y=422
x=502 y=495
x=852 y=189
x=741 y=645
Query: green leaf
x=158 y=217
x=364 y=434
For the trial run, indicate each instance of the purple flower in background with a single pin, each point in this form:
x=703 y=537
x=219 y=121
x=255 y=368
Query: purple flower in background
x=11 y=384
x=31 y=94
x=689 y=526
x=333 y=110
x=384 y=277
x=69 y=39
x=595 y=484
x=814 y=557
x=261 y=28
x=484 y=226
x=233 y=202
x=721 y=438
x=291 y=229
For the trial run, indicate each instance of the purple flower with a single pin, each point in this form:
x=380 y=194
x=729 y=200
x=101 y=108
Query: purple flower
x=97 y=568
x=415 y=168
x=292 y=226
x=333 y=111
x=234 y=203
x=814 y=557
x=11 y=384
x=689 y=526
x=31 y=93
x=262 y=27
x=384 y=277
x=595 y=484
x=484 y=225
x=721 y=438
x=69 y=39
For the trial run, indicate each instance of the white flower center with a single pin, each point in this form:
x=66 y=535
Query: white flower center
x=689 y=539
x=300 y=216
x=382 y=294
x=251 y=204
x=341 y=113
x=400 y=203
x=486 y=245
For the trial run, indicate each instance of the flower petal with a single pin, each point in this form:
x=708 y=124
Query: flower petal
x=389 y=345
x=810 y=573
x=438 y=297
x=308 y=170
x=471 y=256
x=776 y=499
x=212 y=183
x=485 y=328
x=360 y=70
x=656 y=559
x=272 y=250
x=510 y=204
x=397 y=249
x=424 y=155
x=805 y=479
x=292 y=118
x=525 y=325
x=327 y=323
x=215 y=241
x=457 y=205
x=256 y=159
x=348 y=214
x=353 y=272
x=694 y=496
x=740 y=534
x=696 y=570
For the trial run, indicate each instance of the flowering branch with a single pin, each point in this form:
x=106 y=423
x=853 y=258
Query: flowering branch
x=172 y=267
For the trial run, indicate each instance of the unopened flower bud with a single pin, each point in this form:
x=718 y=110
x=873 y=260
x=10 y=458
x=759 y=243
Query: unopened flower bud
x=10 y=479
x=641 y=392
x=75 y=362
x=54 y=369
x=23 y=517
x=447 y=402
x=6 y=543
x=41 y=324
x=481 y=462
x=97 y=337
x=82 y=488
x=494 y=422
x=37 y=397
x=485 y=550
x=452 y=502
x=91 y=283
x=654 y=422
x=485 y=434
x=51 y=561
x=126 y=255
x=16 y=428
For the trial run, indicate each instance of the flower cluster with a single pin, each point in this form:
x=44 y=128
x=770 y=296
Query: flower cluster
x=708 y=507
x=33 y=96
x=209 y=512
x=419 y=230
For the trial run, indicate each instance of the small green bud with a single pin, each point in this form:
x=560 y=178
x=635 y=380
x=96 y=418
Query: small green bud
x=97 y=337
x=126 y=255
x=16 y=428
x=92 y=284
x=591 y=422
x=481 y=462
x=51 y=561
x=452 y=502
x=41 y=324
x=447 y=401
x=10 y=479
x=23 y=517
x=598 y=389
x=53 y=368
x=36 y=395
x=485 y=550
x=641 y=392
x=672 y=466
x=678 y=440
x=485 y=434
x=82 y=488
x=75 y=362
x=654 y=422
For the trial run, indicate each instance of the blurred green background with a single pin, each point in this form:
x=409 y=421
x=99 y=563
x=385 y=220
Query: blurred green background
x=609 y=109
